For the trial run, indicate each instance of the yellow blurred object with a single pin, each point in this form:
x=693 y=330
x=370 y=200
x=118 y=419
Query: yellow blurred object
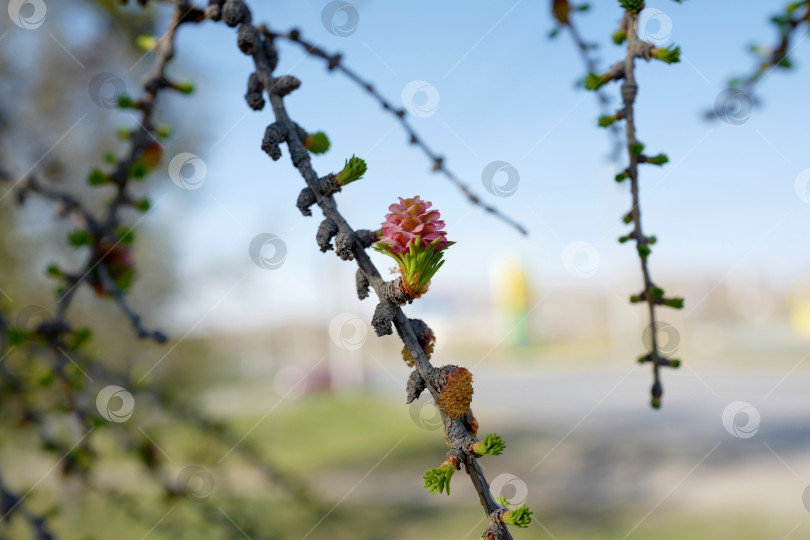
x=799 y=305
x=511 y=299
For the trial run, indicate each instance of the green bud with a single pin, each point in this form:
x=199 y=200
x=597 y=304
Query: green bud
x=164 y=131
x=632 y=5
x=636 y=298
x=607 y=120
x=146 y=42
x=185 y=87
x=143 y=205
x=674 y=363
x=652 y=239
x=583 y=7
x=438 y=480
x=519 y=517
x=625 y=238
x=619 y=37
x=676 y=303
x=636 y=148
x=81 y=336
x=621 y=177
x=78 y=238
x=644 y=251
x=492 y=445
x=110 y=158
x=594 y=82
x=317 y=142
x=125 y=102
x=53 y=271
x=353 y=169
x=126 y=236
x=138 y=170
x=670 y=55
x=97 y=178
x=122 y=133
x=15 y=336
x=660 y=159
x=656 y=292
x=628 y=217
x=784 y=62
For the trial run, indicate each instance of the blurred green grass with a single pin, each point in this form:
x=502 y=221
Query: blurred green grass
x=333 y=442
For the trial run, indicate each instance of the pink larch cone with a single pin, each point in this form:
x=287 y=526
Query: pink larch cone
x=409 y=218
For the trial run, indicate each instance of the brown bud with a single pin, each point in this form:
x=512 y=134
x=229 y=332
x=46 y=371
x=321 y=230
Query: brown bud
x=456 y=393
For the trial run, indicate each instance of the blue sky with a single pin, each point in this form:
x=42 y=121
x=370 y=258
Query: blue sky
x=506 y=92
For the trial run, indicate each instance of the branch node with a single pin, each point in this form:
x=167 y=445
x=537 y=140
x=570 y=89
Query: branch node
x=306 y=199
x=366 y=237
x=328 y=185
x=334 y=62
x=361 y=282
x=344 y=244
x=416 y=385
x=284 y=85
x=384 y=314
x=391 y=291
x=248 y=39
x=235 y=12
x=326 y=231
x=214 y=10
x=254 y=95
x=274 y=135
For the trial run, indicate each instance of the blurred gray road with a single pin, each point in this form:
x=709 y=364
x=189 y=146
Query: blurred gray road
x=582 y=438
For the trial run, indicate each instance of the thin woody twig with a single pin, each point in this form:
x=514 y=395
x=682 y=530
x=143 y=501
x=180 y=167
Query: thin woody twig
x=335 y=63
x=103 y=234
x=561 y=9
x=55 y=333
x=258 y=43
x=629 y=91
x=624 y=70
x=794 y=16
